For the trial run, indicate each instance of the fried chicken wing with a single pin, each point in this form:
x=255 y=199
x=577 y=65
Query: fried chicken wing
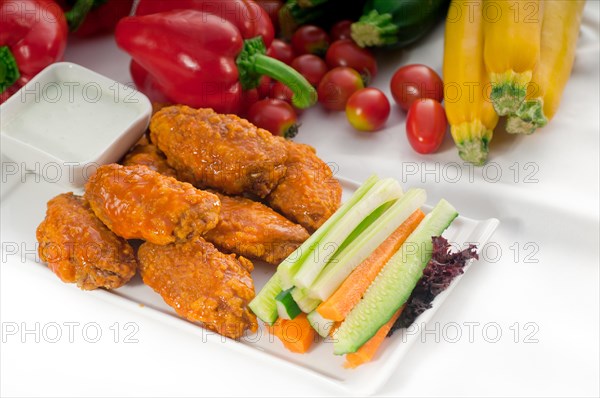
x=201 y=284
x=254 y=230
x=308 y=194
x=138 y=203
x=146 y=154
x=223 y=152
x=245 y=227
x=80 y=249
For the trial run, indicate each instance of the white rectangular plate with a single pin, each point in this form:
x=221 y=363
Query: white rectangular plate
x=24 y=204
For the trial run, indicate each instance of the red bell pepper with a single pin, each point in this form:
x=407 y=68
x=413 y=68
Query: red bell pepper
x=33 y=34
x=250 y=19
x=272 y=8
x=146 y=84
x=198 y=59
x=92 y=17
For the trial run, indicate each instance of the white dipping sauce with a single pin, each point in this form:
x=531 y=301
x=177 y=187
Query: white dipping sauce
x=71 y=121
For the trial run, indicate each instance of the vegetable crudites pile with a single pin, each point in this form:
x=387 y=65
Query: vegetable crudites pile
x=384 y=271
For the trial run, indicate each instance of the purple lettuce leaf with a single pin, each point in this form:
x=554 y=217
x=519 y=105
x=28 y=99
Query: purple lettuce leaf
x=440 y=271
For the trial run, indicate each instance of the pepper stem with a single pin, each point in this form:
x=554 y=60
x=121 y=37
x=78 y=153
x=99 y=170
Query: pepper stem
x=253 y=63
x=9 y=71
x=76 y=15
x=374 y=29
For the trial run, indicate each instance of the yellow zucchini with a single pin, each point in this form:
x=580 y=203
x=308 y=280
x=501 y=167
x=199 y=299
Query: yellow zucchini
x=469 y=111
x=512 y=32
x=560 y=30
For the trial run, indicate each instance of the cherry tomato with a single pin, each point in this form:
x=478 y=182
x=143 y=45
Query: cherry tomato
x=337 y=86
x=282 y=51
x=249 y=97
x=426 y=125
x=281 y=92
x=310 y=39
x=348 y=53
x=368 y=109
x=311 y=67
x=416 y=81
x=341 y=30
x=274 y=115
x=264 y=87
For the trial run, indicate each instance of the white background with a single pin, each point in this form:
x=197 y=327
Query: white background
x=546 y=275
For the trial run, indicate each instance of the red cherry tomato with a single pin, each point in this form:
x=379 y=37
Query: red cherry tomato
x=337 y=86
x=416 y=81
x=368 y=109
x=281 y=92
x=264 y=87
x=341 y=30
x=282 y=51
x=348 y=53
x=311 y=67
x=274 y=115
x=249 y=97
x=426 y=125
x=310 y=39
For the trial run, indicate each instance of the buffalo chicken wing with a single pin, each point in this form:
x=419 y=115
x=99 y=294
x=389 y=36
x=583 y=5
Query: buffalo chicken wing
x=224 y=152
x=254 y=230
x=308 y=194
x=201 y=284
x=138 y=203
x=80 y=249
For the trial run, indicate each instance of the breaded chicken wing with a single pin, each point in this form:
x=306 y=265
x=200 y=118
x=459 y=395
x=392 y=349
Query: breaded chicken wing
x=201 y=284
x=253 y=230
x=308 y=194
x=80 y=249
x=223 y=152
x=138 y=203
x=150 y=156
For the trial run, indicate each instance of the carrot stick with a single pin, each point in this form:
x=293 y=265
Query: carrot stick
x=351 y=291
x=369 y=349
x=334 y=329
x=296 y=334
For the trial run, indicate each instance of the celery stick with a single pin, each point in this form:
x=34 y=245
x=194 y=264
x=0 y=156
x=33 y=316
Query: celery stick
x=364 y=224
x=344 y=263
x=383 y=191
x=290 y=266
x=304 y=301
x=321 y=325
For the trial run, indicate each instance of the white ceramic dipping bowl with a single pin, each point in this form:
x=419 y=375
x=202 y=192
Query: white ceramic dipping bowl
x=68 y=120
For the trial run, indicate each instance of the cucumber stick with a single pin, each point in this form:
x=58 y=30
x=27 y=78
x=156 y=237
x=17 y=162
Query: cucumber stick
x=286 y=306
x=346 y=261
x=288 y=268
x=264 y=304
x=383 y=191
x=394 y=284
